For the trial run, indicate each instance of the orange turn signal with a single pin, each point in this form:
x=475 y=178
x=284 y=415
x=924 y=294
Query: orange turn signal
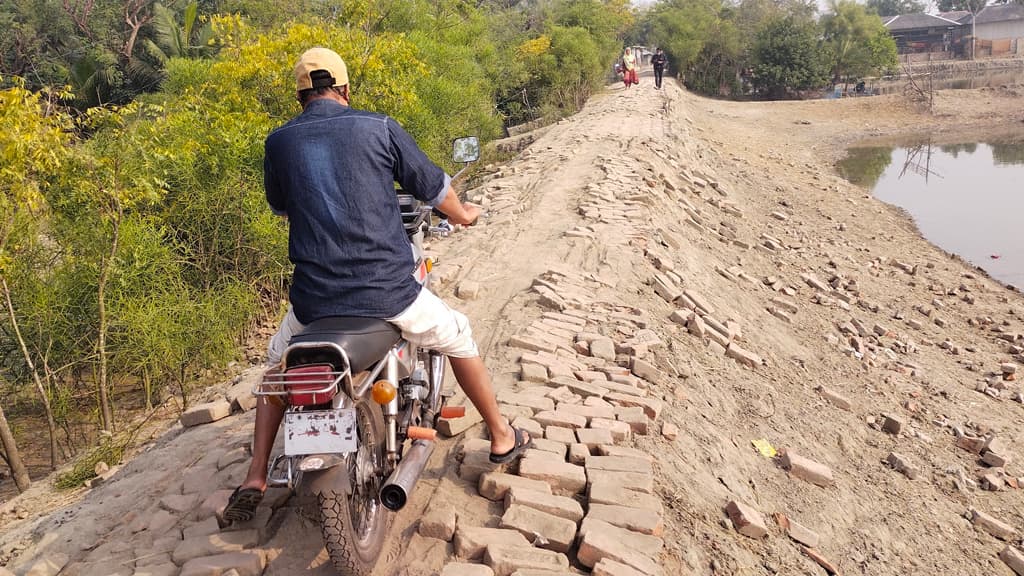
x=383 y=392
x=430 y=265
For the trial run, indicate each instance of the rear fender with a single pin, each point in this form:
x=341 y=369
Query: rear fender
x=334 y=479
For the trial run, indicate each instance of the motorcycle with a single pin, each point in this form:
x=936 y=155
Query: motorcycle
x=362 y=406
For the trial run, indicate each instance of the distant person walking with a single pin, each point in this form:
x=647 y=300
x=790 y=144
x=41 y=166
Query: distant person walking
x=629 y=68
x=660 y=62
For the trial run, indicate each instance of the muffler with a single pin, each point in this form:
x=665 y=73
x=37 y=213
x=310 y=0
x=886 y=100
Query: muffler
x=395 y=493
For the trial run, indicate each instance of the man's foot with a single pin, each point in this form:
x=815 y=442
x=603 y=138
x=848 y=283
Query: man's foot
x=523 y=442
x=242 y=504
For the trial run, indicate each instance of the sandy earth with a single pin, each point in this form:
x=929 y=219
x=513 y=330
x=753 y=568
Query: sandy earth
x=656 y=153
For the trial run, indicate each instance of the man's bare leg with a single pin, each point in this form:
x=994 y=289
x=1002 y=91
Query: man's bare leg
x=268 y=419
x=476 y=383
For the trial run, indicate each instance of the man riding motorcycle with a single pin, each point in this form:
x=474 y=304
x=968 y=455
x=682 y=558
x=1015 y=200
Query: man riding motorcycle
x=331 y=172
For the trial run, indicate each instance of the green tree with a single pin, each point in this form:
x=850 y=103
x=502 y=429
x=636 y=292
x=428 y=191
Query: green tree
x=681 y=28
x=31 y=152
x=787 y=58
x=895 y=7
x=857 y=42
x=191 y=38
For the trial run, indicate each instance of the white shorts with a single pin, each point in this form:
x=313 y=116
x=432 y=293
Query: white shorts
x=428 y=323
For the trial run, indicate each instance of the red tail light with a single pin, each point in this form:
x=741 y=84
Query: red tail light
x=310 y=385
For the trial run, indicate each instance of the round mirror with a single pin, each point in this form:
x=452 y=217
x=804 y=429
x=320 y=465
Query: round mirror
x=466 y=149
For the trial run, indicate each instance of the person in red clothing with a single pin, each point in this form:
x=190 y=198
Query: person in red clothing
x=629 y=68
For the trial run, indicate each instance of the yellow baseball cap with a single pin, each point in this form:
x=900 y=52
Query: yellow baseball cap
x=320 y=67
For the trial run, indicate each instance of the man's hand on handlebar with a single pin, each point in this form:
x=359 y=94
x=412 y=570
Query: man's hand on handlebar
x=464 y=213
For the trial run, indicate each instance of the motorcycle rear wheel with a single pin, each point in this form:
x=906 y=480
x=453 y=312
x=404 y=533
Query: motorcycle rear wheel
x=355 y=526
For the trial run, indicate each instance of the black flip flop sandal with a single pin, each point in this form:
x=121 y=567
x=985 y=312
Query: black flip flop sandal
x=523 y=443
x=242 y=504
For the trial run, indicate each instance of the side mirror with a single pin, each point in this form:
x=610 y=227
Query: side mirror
x=465 y=150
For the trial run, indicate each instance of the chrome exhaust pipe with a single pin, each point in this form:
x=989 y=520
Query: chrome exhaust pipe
x=395 y=493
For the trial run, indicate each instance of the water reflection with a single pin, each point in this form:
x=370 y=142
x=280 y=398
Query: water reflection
x=967 y=198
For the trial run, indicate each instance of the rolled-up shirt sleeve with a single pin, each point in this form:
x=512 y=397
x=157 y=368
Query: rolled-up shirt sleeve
x=275 y=196
x=415 y=172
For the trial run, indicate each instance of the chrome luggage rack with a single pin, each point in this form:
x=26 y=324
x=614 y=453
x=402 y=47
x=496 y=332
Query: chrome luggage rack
x=277 y=384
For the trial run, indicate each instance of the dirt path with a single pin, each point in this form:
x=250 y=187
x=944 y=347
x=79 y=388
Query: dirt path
x=728 y=208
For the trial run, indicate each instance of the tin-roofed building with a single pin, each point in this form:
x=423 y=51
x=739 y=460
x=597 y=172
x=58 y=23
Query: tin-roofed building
x=925 y=34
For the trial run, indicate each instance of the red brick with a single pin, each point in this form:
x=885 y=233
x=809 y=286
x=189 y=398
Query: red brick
x=438 y=522
x=612 y=450
x=562 y=419
x=609 y=567
x=494 y=485
x=578 y=454
x=563 y=477
x=206 y=413
x=560 y=434
x=635 y=519
x=594 y=437
x=645 y=544
x=561 y=506
x=619 y=464
x=747 y=520
x=652 y=406
x=807 y=469
x=620 y=430
x=1013 y=558
x=598 y=544
x=994 y=527
x=557 y=533
x=244 y=563
x=470 y=541
x=634 y=481
x=505 y=559
x=466 y=569
x=605 y=492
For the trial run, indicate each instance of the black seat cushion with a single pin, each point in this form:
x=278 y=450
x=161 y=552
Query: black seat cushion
x=365 y=340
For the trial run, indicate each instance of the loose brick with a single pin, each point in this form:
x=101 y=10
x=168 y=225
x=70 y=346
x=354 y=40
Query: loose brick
x=578 y=454
x=556 y=533
x=561 y=506
x=598 y=544
x=532 y=401
x=797 y=531
x=652 y=406
x=561 y=419
x=206 y=413
x=594 y=437
x=971 y=444
x=471 y=541
x=602 y=348
x=214 y=544
x=563 y=477
x=438 y=522
x=495 y=485
x=552 y=446
x=1013 y=558
x=466 y=569
x=606 y=492
x=506 y=559
x=588 y=412
x=560 y=434
x=242 y=563
x=994 y=527
x=806 y=469
x=746 y=519
x=892 y=425
x=629 y=480
x=621 y=431
x=638 y=422
x=623 y=451
x=609 y=567
x=643 y=543
x=669 y=431
x=902 y=465
x=645 y=370
x=639 y=520
x=529 y=372
x=836 y=399
x=619 y=464
x=742 y=355
x=529 y=425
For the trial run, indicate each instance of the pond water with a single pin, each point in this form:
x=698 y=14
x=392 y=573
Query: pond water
x=965 y=198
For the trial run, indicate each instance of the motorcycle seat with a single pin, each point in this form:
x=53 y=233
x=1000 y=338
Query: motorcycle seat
x=364 y=340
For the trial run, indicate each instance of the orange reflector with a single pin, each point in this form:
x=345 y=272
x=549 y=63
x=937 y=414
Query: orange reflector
x=453 y=411
x=383 y=392
x=418 y=433
x=430 y=265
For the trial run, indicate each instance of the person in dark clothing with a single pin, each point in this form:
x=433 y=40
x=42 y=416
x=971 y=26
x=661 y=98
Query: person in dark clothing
x=659 y=61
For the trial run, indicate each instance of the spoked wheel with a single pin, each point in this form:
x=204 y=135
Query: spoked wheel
x=355 y=526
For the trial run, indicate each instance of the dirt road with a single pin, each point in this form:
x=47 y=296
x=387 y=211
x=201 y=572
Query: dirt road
x=748 y=293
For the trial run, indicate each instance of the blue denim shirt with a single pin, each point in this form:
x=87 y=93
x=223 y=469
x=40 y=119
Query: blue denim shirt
x=332 y=171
